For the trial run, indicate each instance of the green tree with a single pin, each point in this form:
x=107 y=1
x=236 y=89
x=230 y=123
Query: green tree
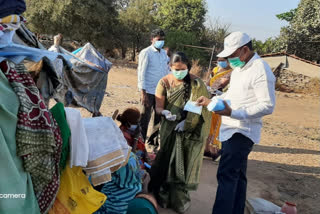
x=137 y=21
x=211 y=36
x=302 y=36
x=287 y=16
x=268 y=46
x=95 y=20
x=181 y=15
x=176 y=40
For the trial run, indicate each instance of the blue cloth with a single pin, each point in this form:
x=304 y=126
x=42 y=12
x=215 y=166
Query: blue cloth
x=141 y=206
x=125 y=185
x=86 y=86
x=89 y=54
x=17 y=53
x=76 y=51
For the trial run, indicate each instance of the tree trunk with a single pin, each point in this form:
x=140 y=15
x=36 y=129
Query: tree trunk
x=123 y=52
x=133 y=52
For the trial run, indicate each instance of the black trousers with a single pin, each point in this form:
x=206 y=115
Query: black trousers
x=146 y=112
x=231 y=175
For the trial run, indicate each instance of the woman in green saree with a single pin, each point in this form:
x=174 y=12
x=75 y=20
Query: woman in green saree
x=176 y=169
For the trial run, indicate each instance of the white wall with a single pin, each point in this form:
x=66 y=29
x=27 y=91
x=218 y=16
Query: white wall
x=294 y=65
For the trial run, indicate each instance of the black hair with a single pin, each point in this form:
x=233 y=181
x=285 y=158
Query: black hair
x=130 y=116
x=249 y=45
x=157 y=32
x=181 y=57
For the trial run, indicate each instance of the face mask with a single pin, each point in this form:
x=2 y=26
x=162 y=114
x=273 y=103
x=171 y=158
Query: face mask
x=133 y=127
x=180 y=75
x=222 y=64
x=159 y=44
x=235 y=62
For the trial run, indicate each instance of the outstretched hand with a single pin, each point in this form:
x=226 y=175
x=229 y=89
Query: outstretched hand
x=203 y=101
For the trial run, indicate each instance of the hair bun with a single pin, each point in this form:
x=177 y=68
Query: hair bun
x=119 y=117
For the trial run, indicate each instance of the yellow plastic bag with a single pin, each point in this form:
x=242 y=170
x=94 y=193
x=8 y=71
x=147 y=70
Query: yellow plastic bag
x=76 y=195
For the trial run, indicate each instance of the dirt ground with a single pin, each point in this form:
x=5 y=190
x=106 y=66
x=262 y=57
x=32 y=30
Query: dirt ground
x=283 y=167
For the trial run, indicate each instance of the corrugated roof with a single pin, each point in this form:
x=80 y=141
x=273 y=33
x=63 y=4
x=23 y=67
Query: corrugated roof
x=290 y=55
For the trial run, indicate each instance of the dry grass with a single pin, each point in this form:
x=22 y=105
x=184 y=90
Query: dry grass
x=198 y=70
x=281 y=87
x=313 y=87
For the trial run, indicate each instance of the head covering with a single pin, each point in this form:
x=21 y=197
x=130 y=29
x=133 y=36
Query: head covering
x=8 y=26
x=234 y=41
x=130 y=115
x=9 y=7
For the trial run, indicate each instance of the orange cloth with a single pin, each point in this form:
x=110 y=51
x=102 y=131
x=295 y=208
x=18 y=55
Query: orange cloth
x=216 y=119
x=214 y=131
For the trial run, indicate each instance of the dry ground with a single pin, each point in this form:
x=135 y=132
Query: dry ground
x=283 y=167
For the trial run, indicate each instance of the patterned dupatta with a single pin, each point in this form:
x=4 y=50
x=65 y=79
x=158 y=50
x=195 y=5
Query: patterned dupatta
x=38 y=137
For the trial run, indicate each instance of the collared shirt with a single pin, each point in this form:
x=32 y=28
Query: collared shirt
x=252 y=96
x=153 y=65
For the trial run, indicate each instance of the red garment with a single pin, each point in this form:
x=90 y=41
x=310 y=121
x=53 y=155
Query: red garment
x=141 y=151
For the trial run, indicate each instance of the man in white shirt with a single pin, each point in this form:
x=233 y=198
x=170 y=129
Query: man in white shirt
x=152 y=67
x=251 y=96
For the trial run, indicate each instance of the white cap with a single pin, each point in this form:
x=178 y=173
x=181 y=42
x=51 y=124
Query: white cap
x=234 y=41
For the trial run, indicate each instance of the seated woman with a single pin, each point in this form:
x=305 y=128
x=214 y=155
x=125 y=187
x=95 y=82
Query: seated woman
x=219 y=82
x=176 y=168
x=126 y=183
x=130 y=128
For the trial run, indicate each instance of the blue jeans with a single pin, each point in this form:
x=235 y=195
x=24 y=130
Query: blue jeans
x=231 y=175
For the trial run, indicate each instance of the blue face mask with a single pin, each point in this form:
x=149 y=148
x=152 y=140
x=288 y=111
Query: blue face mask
x=133 y=127
x=159 y=44
x=222 y=64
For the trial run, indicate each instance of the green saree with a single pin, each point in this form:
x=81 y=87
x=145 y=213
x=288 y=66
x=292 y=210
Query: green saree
x=176 y=169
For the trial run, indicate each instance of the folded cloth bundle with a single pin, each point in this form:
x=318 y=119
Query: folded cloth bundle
x=108 y=149
x=79 y=147
x=11 y=22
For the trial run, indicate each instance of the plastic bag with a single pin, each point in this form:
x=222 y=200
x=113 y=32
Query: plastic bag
x=76 y=195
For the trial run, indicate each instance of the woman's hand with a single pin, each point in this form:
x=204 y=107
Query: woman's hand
x=168 y=115
x=180 y=126
x=203 y=101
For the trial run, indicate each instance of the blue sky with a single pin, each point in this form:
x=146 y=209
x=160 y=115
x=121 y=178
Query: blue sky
x=255 y=17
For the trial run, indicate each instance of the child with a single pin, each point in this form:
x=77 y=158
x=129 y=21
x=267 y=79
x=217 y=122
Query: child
x=131 y=130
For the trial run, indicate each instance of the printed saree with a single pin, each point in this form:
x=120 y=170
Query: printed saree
x=38 y=137
x=176 y=169
x=213 y=144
